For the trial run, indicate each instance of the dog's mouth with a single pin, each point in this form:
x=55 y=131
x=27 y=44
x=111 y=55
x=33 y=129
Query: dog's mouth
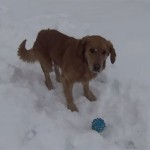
x=95 y=71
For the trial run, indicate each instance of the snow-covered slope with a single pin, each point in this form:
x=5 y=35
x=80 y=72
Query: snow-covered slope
x=31 y=117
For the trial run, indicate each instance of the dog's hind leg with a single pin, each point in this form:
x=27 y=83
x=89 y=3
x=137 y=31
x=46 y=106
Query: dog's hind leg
x=46 y=70
x=57 y=73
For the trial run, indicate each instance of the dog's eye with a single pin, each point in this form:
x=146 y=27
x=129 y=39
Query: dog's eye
x=92 y=50
x=104 y=53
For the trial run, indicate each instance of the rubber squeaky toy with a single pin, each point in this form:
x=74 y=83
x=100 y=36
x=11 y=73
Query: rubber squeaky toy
x=98 y=125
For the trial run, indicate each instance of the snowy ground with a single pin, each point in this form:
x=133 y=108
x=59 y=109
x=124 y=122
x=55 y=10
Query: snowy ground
x=31 y=117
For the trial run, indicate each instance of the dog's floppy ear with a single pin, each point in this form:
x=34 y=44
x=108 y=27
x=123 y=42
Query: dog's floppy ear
x=112 y=52
x=82 y=46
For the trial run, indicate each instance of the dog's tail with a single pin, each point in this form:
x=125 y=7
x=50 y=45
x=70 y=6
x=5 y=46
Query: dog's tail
x=26 y=55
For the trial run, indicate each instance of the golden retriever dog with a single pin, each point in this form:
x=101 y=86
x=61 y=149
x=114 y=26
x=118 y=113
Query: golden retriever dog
x=73 y=60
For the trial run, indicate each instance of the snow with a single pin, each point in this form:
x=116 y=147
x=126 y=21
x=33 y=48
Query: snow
x=31 y=117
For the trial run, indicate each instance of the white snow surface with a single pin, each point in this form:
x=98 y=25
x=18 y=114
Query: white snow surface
x=33 y=118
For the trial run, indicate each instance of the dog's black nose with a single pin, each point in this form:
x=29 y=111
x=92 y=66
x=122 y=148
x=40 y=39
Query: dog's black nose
x=96 y=67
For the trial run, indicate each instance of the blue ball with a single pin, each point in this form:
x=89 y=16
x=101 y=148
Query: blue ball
x=98 y=125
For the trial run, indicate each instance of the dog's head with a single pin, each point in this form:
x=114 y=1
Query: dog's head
x=95 y=51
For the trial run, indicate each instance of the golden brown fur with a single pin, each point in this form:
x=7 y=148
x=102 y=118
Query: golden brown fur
x=79 y=59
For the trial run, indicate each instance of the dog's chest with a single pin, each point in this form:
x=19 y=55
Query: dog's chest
x=86 y=76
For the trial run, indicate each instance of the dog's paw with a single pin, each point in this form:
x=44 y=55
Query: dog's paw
x=90 y=96
x=58 y=79
x=49 y=85
x=72 y=107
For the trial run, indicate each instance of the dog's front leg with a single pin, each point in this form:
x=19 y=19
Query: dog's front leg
x=67 y=86
x=87 y=93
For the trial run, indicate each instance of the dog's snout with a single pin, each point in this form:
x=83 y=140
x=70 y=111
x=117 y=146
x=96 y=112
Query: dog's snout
x=96 y=67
